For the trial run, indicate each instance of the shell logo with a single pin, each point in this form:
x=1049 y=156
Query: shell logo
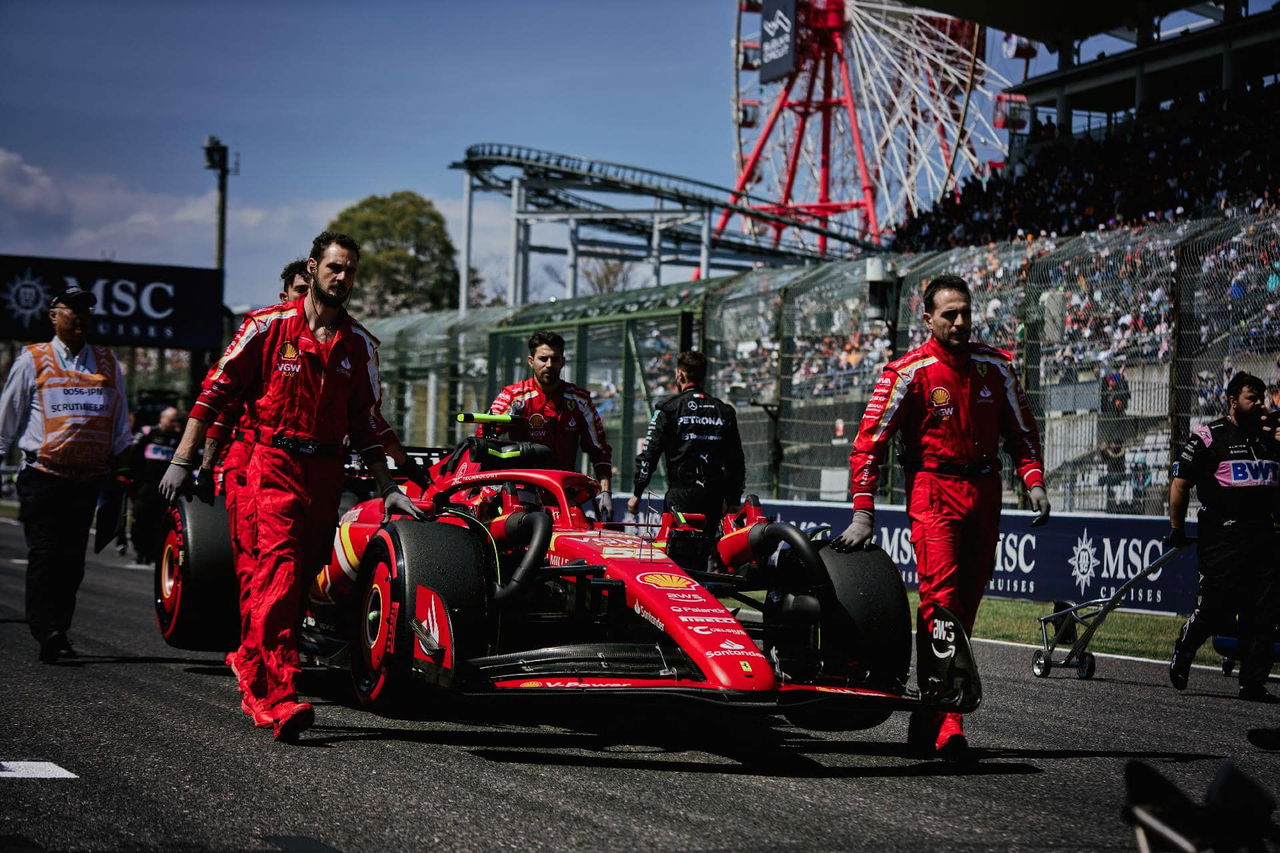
x=939 y=396
x=289 y=350
x=531 y=684
x=537 y=420
x=665 y=580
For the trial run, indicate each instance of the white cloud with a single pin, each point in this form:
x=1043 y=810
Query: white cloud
x=103 y=216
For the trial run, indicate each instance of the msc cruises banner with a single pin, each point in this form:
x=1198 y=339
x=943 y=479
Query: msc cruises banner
x=1074 y=557
x=138 y=304
x=777 y=39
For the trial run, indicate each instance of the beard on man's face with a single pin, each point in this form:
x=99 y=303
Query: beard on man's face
x=328 y=300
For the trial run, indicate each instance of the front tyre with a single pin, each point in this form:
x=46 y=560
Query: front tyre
x=437 y=574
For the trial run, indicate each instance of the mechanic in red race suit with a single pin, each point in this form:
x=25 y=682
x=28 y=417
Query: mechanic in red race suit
x=1234 y=464
x=308 y=378
x=558 y=414
x=952 y=401
x=228 y=445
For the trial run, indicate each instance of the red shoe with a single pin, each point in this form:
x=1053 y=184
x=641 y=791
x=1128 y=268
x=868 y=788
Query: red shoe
x=292 y=719
x=261 y=718
x=922 y=732
x=951 y=744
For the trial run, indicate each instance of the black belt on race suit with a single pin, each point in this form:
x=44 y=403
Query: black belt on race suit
x=296 y=445
x=980 y=468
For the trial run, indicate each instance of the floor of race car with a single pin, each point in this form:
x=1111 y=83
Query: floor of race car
x=140 y=746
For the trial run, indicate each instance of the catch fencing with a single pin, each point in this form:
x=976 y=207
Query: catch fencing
x=1124 y=340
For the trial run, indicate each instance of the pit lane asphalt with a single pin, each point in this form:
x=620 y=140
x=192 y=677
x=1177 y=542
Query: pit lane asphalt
x=165 y=760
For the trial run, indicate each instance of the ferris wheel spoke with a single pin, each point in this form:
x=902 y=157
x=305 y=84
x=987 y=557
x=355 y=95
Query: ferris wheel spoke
x=881 y=112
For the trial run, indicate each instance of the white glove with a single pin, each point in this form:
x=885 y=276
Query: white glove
x=604 y=506
x=1039 y=503
x=857 y=534
x=396 y=502
x=176 y=481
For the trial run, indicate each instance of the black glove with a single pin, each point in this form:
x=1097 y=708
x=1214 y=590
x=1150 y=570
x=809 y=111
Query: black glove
x=176 y=481
x=857 y=534
x=204 y=486
x=1175 y=538
x=415 y=473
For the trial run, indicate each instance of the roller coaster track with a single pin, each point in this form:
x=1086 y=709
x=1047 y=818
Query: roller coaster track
x=551 y=178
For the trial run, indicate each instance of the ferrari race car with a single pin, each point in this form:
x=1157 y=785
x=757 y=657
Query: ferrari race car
x=511 y=587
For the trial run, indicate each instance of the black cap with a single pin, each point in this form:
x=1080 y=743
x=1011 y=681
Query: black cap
x=75 y=297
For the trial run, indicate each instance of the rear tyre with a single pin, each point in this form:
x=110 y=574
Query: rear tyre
x=866 y=624
x=196 y=592
x=404 y=556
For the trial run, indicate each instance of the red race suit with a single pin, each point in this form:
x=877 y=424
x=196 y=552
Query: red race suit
x=301 y=400
x=952 y=409
x=564 y=421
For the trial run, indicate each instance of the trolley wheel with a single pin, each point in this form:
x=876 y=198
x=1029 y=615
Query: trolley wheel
x=1088 y=664
x=1228 y=666
x=1040 y=663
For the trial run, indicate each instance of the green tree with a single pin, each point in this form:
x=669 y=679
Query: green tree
x=407 y=261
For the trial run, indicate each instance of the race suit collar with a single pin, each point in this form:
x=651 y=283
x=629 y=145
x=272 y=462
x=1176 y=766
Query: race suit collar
x=949 y=356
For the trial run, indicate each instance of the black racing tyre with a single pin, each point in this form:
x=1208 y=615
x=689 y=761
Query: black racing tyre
x=196 y=591
x=1087 y=666
x=404 y=555
x=866 y=619
x=1040 y=664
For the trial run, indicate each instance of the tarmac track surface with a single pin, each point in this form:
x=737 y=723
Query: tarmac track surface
x=163 y=759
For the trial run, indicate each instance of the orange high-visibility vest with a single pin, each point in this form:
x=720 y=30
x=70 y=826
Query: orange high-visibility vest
x=78 y=410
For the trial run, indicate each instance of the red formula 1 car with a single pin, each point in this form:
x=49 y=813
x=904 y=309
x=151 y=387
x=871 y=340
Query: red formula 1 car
x=511 y=587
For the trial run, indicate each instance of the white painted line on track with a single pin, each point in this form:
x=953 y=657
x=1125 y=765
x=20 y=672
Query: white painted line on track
x=1095 y=654
x=33 y=770
x=12 y=521
x=18 y=561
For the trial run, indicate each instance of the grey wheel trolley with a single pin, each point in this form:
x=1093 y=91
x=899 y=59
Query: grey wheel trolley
x=1059 y=627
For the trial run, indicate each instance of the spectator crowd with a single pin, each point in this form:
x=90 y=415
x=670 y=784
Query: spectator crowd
x=1202 y=154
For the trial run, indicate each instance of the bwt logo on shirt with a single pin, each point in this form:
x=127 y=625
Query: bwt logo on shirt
x=1250 y=473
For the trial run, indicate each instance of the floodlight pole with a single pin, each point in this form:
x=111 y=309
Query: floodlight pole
x=215 y=157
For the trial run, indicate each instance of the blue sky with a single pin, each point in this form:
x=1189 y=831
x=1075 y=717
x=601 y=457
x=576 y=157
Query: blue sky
x=107 y=105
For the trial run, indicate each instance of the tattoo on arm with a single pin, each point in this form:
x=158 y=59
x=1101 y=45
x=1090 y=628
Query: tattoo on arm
x=211 y=448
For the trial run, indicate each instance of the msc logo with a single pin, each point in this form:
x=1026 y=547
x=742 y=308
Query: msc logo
x=665 y=580
x=1084 y=559
x=27 y=298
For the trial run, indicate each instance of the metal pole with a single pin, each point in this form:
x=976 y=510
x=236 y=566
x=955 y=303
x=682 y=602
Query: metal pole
x=704 y=255
x=655 y=244
x=571 y=261
x=525 y=232
x=464 y=274
x=512 y=290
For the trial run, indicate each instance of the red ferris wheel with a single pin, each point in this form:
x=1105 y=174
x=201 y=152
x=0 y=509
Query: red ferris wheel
x=855 y=115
